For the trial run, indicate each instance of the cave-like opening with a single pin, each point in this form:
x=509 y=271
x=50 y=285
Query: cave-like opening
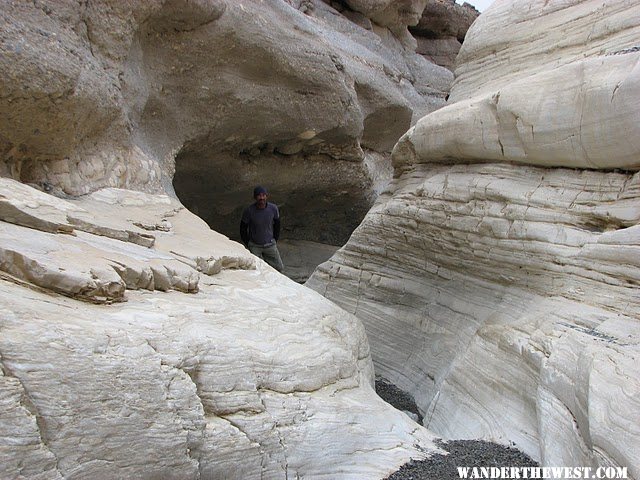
x=321 y=199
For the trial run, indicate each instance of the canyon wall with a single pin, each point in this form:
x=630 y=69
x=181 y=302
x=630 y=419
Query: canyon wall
x=497 y=276
x=210 y=98
x=136 y=342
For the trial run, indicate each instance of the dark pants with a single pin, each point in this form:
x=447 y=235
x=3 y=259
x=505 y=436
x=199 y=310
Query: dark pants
x=269 y=254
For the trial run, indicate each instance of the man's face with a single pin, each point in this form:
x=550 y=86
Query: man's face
x=261 y=200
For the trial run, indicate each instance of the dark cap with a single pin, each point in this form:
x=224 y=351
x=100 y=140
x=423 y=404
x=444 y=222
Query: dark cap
x=258 y=190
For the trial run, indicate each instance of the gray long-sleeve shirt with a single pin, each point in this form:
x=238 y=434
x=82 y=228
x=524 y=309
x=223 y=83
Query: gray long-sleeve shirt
x=262 y=225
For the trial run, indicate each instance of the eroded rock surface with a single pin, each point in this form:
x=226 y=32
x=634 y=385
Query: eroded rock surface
x=498 y=287
x=187 y=358
x=136 y=342
x=104 y=246
x=125 y=94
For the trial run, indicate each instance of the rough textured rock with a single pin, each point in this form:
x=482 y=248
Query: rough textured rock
x=445 y=18
x=505 y=297
x=242 y=373
x=67 y=122
x=125 y=94
x=394 y=15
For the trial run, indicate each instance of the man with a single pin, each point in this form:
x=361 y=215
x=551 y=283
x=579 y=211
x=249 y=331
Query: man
x=260 y=229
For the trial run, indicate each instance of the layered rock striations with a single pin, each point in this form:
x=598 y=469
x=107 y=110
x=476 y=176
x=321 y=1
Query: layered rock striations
x=497 y=276
x=135 y=342
x=562 y=92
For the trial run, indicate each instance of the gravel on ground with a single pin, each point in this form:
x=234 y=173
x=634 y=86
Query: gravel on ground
x=396 y=397
x=462 y=453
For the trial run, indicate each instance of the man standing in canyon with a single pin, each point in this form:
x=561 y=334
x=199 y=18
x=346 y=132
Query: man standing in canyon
x=260 y=228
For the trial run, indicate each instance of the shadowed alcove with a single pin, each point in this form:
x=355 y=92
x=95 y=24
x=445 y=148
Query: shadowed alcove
x=321 y=199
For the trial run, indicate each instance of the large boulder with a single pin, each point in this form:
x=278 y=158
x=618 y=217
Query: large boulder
x=182 y=357
x=497 y=276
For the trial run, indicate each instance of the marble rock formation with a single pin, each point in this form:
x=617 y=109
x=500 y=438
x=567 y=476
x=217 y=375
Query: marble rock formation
x=211 y=97
x=135 y=342
x=497 y=276
x=328 y=93
x=178 y=356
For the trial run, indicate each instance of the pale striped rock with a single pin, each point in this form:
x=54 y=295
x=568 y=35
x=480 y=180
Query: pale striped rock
x=544 y=83
x=505 y=299
x=497 y=276
x=186 y=359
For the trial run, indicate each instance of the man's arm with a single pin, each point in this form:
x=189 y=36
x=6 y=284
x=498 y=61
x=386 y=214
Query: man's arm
x=276 y=228
x=244 y=232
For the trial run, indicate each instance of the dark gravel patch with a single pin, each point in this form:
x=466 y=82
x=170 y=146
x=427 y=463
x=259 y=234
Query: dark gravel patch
x=396 y=397
x=462 y=453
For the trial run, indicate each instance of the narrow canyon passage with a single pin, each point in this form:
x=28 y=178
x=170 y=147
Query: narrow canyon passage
x=489 y=268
